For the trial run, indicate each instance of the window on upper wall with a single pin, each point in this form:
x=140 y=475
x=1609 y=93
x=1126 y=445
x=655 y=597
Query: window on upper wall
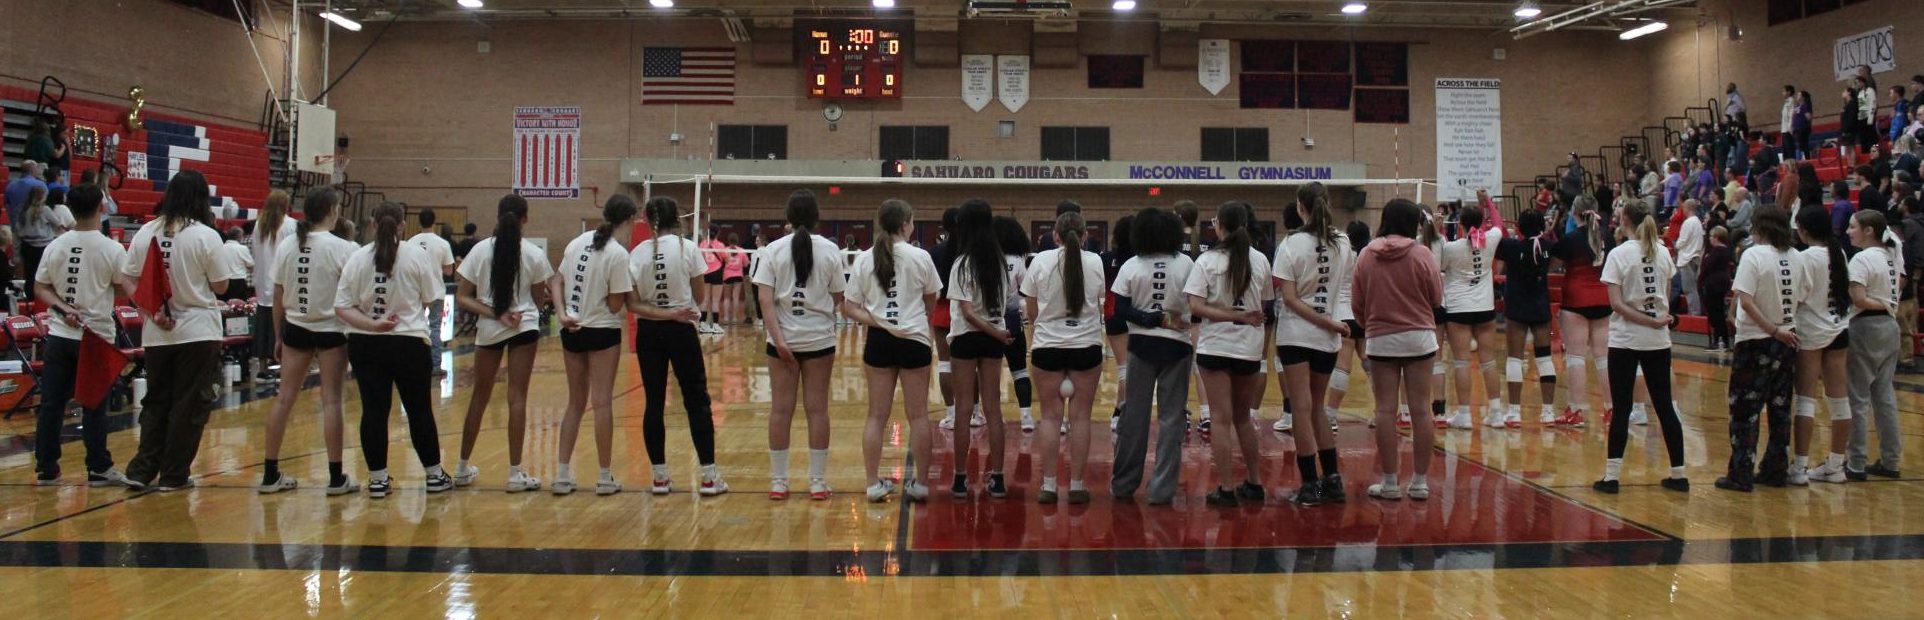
x=1235 y=144
x=751 y=142
x=914 y=142
x=238 y=11
x=1075 y=143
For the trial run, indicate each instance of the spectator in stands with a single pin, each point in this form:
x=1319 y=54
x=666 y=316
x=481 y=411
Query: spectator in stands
x=1700 y=181
x=1734 y=109
x=107 y=204
x=243 y=256
x=1690 y=249
x=1673 y=187
x=1866 y=111
x=1732 y=181
x=1649 y=184
x=1546 y=195
x=463 y=320
x=1910 y=231
x=1800 y=126
x=31 y=177
x=1869 y=198
x=35 y=228
x=1917 y=95
x=1900 y=113
x=1719 y=267
x=1572 y=184
x=1905 y=157
x=42 y=146
x=1715 y=214
x=1787 y=120
x=1740 y=214
x=7 y=253
x=1880 y=164
x=1841 y=209
x=1847 y=121
x=57 y=206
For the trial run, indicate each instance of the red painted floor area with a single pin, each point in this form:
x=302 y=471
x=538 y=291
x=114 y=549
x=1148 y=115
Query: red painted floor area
x=1469 y=504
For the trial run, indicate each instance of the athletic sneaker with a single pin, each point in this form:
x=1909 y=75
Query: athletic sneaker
x=1638 y=416
x=607 y=486
x=346 y=486
x=1390 y=492
x=135 y=485
x=1115 y=417
x=562 y=486
x=1548 y=417
x=1284 y=424
x=1045 y=496
x=110 y=477
x=1443 y=421
x=977 y=420
x=1333 y=491
x=1514 y=417
x=1077 y=498
x=879 y=492
x=437 y=483
x=378 y=488
x=46 y=479
x=1797 y=477
x=169 y=487
x=997 y=488
x=1065 y=426
x=960 y=489
x=1419 y=490
x=1571 y=417
x=1881 y=470
x=465 y=477
x=712 y=485
x=284 y=483
x=1827 y=473
x=818 y=489
x=1403 y=419
x=1732 y=485
x=1202 y=428
x=1187 y=421
x=915 y=491
x=778 y=489
x=1335 y=426
x=1028 y=423
x=1310 y=495
x=1460 y=420
x=1223 y=498
x=948 y=422
x=1605 y=486
x=1250 y=491
x=520 y=481
x=661 y=486
x=1681 y=485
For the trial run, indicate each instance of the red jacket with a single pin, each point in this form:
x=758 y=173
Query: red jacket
x=1397 y=287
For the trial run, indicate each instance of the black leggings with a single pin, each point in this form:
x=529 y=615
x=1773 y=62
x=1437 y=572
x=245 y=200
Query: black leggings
x=1717 y=313
x=385 y=364
x=673 y=343
x=1623 y=381
x=1017 y=355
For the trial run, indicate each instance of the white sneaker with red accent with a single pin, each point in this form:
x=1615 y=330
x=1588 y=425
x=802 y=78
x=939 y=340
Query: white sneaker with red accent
x=661 y=486
x=778 y=489
x=712 y=485
x=818 y=489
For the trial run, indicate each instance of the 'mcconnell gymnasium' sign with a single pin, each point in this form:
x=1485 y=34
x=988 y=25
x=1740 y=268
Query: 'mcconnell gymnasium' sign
x=1283 y=171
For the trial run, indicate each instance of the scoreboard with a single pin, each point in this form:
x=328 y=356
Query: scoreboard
x=853 y=59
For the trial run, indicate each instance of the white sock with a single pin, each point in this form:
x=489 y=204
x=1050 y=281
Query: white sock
x=951 y=413
x=607 y=474
x=434 y=470
x=709 y=471
x=1496 y=406
x=1422 y=480
x=1025 y=412
x=1048 y=483
x=381 y=474
x=778 y=464
x=1677 y=471
x=563 y=471
x=515 y=469
x=1802 y=461
x=1834 y=459
x=817 y=464
x=661 y=471
x=1076 y=485
x=1612 y=468
x=463 y=467
x=1389 y=481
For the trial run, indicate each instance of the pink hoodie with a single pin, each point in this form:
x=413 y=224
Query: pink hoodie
x=1397 y=287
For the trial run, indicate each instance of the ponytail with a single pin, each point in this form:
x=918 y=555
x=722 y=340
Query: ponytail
x=1637 y=216
x=1069 y=230
x=1470 y=220
x=316 y=208
x=891 y=222
x=1187 y=210
x=387 y=236
x=975 y=234
x=617 y=211
x=803 y=214
x=1313 y=201
x=1814 y=225
x=273 y=214
x=1232 y=218
x=511 y=211
x=1584 y=208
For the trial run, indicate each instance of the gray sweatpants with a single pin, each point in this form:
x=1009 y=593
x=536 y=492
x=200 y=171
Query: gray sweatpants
x=1168 y=386
x=1873 y=365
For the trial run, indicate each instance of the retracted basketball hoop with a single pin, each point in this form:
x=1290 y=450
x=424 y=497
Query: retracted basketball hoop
x=336 y=164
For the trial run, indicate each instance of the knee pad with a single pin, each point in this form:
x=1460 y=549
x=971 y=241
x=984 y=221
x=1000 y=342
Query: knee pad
x=1513 y=370
x=1805 y=407
x=942 y=367
x=1460 y=364
x=1018 y=374
x=1574 y=363
x=1122 y=370
x=1436 y=367
x=1489 y=365
x=1339 y=380
x=1840 y=408
x=1546 y=367
x=1603 y=365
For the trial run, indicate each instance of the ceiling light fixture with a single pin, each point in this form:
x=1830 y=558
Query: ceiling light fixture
x=1528 y=10
x=1652 y=27
x=883 y=4
x=662 y=4
x=342 y=21
x=1355 y=8
x=1124 y=5
x=472 y=4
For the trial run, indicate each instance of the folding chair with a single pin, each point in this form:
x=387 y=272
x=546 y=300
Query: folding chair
x=24 y=336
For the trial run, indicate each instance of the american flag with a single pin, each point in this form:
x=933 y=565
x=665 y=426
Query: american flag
x=688 y=75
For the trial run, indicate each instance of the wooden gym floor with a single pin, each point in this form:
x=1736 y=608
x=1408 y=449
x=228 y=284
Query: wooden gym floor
x=1512 y=531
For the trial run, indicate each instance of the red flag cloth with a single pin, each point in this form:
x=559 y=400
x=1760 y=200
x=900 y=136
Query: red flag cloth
x=154 y=290
x=100 y=365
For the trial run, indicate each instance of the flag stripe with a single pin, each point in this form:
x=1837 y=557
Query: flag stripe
x=673 y=75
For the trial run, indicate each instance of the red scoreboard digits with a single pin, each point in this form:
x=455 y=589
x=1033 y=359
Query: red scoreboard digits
x=853 y=60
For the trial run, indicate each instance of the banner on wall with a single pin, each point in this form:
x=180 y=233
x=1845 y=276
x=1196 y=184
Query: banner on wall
x=547 y=152
x=1875 y=48
x=136 y=168
x=1012 y=81
x=1469 y=137
x=1212 y=65
x=978 y=80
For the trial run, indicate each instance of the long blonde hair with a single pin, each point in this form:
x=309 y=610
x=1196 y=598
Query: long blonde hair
x=273 y=214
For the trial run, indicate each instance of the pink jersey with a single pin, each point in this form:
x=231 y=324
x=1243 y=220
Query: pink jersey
x=714 y=258
x=733 y=266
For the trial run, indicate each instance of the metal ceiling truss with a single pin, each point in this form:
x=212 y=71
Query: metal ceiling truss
x=1611 y=14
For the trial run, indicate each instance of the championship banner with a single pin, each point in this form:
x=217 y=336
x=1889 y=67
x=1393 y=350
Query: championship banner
x=1469 y=137
x=978 y=80
x=547 y=152
x=1875 y=48
x=1012 y=81
x=1212 y=65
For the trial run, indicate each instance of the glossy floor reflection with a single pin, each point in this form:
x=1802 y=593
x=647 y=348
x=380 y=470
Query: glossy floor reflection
x=1512 y=529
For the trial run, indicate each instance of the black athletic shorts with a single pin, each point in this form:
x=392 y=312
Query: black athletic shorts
x=1320 y=362
x=590 y=339
x=732 y=280
x=527 y=337
x=976 y=345
x=800 y=356
x=1590 y=312
x=886 y=350
x=712 y=277
x=1115 y=326
x=1403 y=359
x=303 y=339
x=1233 y=365
x=1841 y=343
x=1067 y=360
x=1469 y=318
x=1355 y=329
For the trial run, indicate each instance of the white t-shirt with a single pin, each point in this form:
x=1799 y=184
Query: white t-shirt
x=1054 y=328
x=903 y=305
x=804 y=311
x=1690 y=240
x=309 y=277
x=588 y=277
x=661 y=268
x=1644 y=281
x=415 y=283
x=80 y=266
x=1210 y=281
x=1816 y=324
x=194 y=260
x=1017 y=269
x=534 y=271
x=1466 y=274
x=1344 y=312
x=440 y=253
x=1155 y=284
x=243 y=255
x=1775 y=282
x=1404 y=344
x=63 y=218
x=1877 y=270
x=1321 y=272
x=263 y=266
x=962 y=288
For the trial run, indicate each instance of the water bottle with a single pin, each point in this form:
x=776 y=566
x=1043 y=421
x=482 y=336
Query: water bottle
x=231 y=372
x=140 y=391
